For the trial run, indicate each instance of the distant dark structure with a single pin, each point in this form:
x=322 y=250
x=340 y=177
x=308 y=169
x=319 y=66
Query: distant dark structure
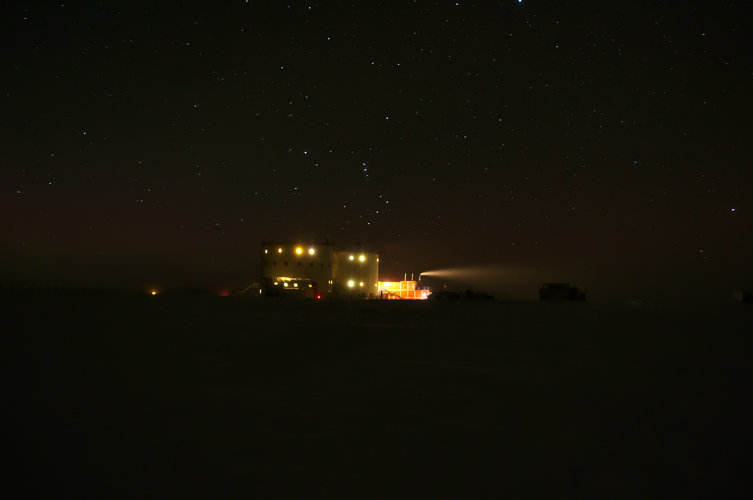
x=743 y=295
x=470 y=294
x=444 y=295
x=560 y=291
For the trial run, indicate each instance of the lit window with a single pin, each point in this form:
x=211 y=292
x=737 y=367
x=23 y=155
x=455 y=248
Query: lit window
x=285 y=284
x=351 y=257
x=276 y=283
x=266 y=251
x=299 y=251
x=360 y=284
x=311 y=286
x=312 y=251
x=279 y=250
x=362 y=258
x=295 y=285
x=351 y=284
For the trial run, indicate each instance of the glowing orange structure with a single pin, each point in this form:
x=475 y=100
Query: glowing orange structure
x=402 y=290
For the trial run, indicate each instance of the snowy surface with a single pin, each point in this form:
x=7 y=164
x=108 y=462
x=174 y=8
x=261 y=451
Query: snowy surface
x=199 y=395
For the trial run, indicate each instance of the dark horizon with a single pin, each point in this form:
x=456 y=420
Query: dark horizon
x=605 y=144
x=504 y=283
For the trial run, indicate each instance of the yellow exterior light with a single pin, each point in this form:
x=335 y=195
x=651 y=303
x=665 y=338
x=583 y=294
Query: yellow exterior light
x=266 y=251
x=351 y=257
x=298 y=251
x=351 y=284
x=154 y=292
x=362 y=258
x=311 y=286
x=285 y=284
x=279 y=250
x=295 y=285
x=312 y=251
x=360 y=284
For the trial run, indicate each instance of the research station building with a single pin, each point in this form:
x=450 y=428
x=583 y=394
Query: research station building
x=318 y=271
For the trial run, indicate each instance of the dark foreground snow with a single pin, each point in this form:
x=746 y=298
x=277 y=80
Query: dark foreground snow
x=176 y=396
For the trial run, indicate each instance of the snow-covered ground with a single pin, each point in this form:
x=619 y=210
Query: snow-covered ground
x=183 y=395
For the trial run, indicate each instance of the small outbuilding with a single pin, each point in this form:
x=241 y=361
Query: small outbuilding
x=560 y=291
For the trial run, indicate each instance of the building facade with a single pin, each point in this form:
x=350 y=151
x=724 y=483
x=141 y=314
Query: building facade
x=355 y=273
x=317 y=271
x=296 y=268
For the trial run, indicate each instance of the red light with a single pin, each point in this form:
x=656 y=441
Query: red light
x=318 y=297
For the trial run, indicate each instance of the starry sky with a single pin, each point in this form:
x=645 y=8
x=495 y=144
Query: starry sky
x=607 y=144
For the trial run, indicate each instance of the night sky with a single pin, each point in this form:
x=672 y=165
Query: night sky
x=604 y=143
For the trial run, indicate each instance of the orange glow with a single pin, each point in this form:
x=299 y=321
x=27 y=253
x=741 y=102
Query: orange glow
x=154 y=292
x=402 y=290
x=299 y=251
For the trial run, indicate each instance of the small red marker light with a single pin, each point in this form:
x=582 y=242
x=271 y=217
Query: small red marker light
x=318 y=296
